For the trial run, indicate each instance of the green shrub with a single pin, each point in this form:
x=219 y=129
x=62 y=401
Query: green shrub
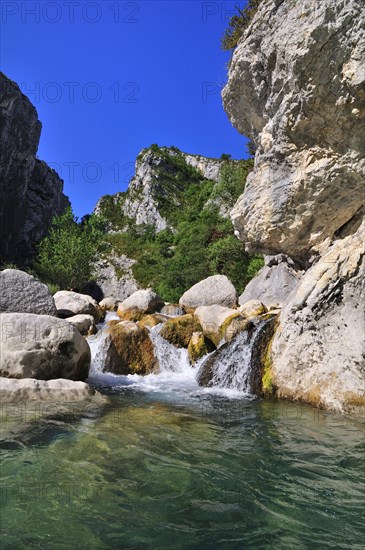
x=202 y=242
x=65 y=257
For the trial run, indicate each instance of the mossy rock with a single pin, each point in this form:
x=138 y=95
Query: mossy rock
x=261 y=359
x=150 y=321
x=233 y=326
x=131 y=315
x=179 y=330
x=131 y=351
x=199 y=346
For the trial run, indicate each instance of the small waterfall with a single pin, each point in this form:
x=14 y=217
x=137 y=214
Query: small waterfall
x=235 y=365
x=171 y=359
x=232 y=370
x=99 y=344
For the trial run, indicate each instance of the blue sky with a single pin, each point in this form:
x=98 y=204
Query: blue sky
x=111 y=77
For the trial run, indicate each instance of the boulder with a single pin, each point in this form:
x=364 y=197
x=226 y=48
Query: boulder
x=139 y=304
x=108 y=304
x=199 y=346
x=130 y=350
x=85 y=324
x=179 y=330
x=72 y=303
x=213 y=290
x=271 y=286
x=43 y=347
x=221 y=324
x=252 y=309
x=22 y=293
x=29 y=389
x=172 y=310
x=150 y=321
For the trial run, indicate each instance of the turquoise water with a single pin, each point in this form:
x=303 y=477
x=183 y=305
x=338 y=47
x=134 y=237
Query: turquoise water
x=175 y=470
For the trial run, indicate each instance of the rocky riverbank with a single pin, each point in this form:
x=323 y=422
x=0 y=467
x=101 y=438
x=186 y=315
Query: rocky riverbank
x=296 y=87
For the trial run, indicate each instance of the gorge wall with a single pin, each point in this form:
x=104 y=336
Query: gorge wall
x=174 y=214
x=296 y=86
x=30 y=191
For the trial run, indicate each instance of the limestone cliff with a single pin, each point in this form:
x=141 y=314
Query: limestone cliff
x=296 y=86
x=174 y=201
x=161 y=173
x=30 y=191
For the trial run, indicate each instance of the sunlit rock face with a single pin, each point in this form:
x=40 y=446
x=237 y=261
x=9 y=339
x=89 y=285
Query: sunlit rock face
x=297 y=86
x=30 y=191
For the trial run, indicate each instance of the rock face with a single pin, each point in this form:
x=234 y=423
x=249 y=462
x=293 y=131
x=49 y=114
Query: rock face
x=296 y=86
x=72 y=303
x=22 y=293
x=43 y=347
x=30 y=191
x=147 y=190
x=318 y=350
x=272 y=285
x=167 y=186
x=214 y=290
x=115 y=278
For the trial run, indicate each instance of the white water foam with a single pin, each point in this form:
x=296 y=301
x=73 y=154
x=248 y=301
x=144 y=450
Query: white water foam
x=177 y=375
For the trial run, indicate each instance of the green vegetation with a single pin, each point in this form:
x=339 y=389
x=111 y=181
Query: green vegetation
x=238 y=23
x=199 y=242
x=66 y=256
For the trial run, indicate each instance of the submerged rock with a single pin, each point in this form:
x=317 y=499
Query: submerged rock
x=43 y=347
x=22 y=293
x=214 y=290
x=29 y=389
x=72 y=303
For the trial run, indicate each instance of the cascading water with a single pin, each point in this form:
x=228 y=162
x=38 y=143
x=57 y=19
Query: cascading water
x=234 y=364
x=230 y=366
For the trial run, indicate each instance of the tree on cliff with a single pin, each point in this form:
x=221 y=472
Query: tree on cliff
x=66 y=256
x=238 y=23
